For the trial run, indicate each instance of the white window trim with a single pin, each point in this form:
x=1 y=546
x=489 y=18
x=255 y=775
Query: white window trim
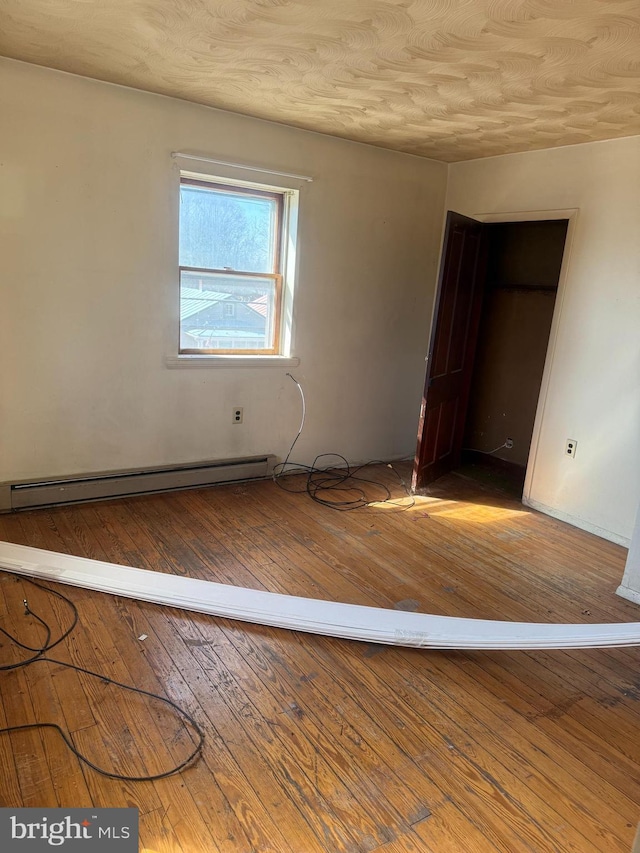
x=290 y=187
x=230 y=361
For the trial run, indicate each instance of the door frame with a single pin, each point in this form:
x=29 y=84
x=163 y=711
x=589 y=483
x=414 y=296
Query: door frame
x=563 y=282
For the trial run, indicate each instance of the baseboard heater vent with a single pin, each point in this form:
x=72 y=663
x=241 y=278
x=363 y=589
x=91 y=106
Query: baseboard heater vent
x=115 y=484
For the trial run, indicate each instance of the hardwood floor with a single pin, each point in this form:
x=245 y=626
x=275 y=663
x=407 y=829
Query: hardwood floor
x=315 y=744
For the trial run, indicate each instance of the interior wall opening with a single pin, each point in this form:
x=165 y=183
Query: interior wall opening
x=522 y=275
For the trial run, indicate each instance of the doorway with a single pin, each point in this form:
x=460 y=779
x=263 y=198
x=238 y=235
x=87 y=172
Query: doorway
x=495 y=304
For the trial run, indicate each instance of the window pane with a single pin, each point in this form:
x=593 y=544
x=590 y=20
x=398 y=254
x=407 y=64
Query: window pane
x=223 y=230
x=219 y=311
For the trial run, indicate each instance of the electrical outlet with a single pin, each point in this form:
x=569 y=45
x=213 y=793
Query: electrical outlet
x=570 y=447
x=508 y=443
x=238 y=414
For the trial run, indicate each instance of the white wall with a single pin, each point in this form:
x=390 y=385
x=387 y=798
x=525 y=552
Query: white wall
x=630 y=586
x=594 y=377
x=88 y=224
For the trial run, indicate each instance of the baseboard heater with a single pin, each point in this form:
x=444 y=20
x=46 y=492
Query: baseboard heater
x=315 y=616
x=29 y=494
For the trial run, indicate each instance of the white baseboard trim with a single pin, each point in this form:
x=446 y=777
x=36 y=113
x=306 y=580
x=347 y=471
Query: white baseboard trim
x=628 y=593
x=334 y=619
x=575 y=521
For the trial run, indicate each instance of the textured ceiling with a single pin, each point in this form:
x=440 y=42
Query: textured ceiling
x=448 y=79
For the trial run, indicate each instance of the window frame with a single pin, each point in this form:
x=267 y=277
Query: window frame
x=276 y=275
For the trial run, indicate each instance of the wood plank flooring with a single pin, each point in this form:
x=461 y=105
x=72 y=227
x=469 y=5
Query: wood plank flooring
x=319 y=745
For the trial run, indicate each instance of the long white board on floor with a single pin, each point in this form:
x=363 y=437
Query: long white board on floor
x=334 y=619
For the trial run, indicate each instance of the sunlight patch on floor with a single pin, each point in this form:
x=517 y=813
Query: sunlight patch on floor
x=464 y=511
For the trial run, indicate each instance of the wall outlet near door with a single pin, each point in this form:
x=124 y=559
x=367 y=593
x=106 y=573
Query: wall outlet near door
x=238 y=414
x=570 y=447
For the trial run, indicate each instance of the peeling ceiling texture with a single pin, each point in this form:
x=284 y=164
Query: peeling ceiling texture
x=447 y=79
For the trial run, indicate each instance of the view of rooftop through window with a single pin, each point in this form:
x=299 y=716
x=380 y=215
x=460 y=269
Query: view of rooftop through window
x=229 y=276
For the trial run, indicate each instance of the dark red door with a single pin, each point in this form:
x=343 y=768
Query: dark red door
x=451 y=349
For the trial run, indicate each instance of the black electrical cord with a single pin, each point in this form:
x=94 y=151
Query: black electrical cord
x=333 y=480
x=48 y=645
x=40 y=656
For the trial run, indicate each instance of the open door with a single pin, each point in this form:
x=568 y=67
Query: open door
x=451 y=349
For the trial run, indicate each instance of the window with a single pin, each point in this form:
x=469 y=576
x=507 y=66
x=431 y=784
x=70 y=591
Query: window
x=231 y=265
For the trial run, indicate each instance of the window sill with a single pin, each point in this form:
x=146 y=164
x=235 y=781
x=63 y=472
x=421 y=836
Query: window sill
x=230 y=361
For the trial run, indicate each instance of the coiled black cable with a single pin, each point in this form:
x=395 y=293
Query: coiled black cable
x=40 y=657
x=335 y=479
